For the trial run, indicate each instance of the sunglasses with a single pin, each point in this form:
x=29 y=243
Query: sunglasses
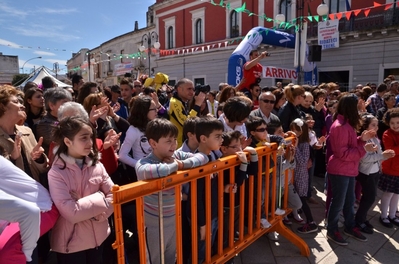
x=263 y=129
x=267 y=101
x=137 y=86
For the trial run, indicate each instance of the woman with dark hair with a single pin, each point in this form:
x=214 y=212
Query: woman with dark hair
x=86 y=89
x=280 y=100
x=226 y=93
x=295 y=95
x=342 y=168
x=389 y=103
x=29 y=85
x=34 y=106
x=143 y=111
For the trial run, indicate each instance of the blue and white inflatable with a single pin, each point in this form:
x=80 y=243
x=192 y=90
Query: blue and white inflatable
x=261 y=35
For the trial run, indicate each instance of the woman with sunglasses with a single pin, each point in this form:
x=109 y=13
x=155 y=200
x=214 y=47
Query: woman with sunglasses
x=295 y=95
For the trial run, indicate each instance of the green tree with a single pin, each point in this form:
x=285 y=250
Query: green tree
x=19 y=78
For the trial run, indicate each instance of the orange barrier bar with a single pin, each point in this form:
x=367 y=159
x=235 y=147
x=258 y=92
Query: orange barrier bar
x=249 y=229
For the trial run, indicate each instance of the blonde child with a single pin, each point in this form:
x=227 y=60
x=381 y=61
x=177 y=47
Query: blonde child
x=81 y=189
x=389 y=180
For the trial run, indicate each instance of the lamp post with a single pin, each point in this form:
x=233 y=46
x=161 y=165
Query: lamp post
x=322 y=10
x=149 y=37
x=56 y=68
x=23 y=65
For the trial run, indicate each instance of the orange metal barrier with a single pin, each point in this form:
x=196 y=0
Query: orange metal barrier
x=249 y=231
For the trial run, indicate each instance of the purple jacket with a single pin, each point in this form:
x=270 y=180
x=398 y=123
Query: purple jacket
x=347 y=149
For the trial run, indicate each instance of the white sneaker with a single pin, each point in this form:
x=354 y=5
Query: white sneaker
x=273 y=236
x=279 y=211
x=264 y=223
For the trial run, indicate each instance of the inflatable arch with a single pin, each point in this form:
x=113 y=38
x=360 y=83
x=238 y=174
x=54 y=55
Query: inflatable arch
x=252 y=40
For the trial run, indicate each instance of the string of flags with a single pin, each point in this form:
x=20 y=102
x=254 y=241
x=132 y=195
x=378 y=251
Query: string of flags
x=284 y=25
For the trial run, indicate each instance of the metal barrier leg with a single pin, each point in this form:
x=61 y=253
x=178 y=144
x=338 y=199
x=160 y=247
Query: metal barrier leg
x=292 y=237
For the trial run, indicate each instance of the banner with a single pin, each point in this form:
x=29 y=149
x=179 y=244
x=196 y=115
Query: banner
x=122 y=68
x=328 y=34
x=279 y=73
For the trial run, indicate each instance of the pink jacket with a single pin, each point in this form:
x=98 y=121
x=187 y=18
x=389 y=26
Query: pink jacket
x=347 y=149
x=83 y=223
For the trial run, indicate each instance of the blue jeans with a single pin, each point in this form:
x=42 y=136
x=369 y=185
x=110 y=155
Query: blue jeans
x=201 y=243
x=343 y=198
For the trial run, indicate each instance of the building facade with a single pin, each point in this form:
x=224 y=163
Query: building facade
x=187 y=29
x=9 y=67
x=197 y=38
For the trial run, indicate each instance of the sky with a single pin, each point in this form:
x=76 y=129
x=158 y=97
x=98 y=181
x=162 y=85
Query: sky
x=54 y=30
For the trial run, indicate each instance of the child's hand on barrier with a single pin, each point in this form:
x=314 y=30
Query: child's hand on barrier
x=202 y=232
x=242 y=156
x=228 y=188
x=180 y=165
x=251 y=150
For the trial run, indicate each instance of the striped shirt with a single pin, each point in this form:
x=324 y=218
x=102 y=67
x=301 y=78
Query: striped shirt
x=151 y=167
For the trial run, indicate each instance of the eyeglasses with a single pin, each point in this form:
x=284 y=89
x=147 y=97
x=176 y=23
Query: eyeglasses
x=263 y=129
x=267 y=101
x=137 y=86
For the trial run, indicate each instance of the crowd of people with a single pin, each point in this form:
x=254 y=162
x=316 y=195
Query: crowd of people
x=64 y=149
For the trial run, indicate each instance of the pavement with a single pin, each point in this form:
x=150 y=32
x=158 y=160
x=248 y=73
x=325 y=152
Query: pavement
x=381 y=247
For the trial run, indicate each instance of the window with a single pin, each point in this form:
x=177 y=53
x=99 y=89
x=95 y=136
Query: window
x=172 y=82
x=234 y=25
x=336 y=6
x=197 y=25
x=199 y=80
x=198 y=31
x=285 y=8
x=170 y=32
x=170 y=38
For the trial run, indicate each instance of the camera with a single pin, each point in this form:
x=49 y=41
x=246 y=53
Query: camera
x=205 y=88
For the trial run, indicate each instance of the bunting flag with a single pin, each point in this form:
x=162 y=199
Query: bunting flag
x=221 y=3
x=357 y=11
x=388 y=6
x=348 y=15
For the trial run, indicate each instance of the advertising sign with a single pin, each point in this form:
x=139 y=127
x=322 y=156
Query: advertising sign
x=328 y=34
x=279 y=73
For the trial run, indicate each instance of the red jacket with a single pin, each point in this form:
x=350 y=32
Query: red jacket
x=391 y=141
x=347 y=149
